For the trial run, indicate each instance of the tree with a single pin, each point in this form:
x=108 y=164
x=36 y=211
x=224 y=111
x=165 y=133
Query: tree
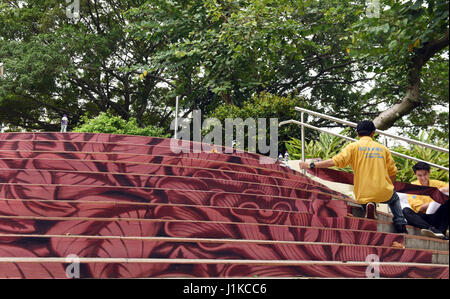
x=399 y=46
x=209 y=52
x=55 y=65
x=433 y=109
x=327 y=51
x=240 y=48
x=133 y=57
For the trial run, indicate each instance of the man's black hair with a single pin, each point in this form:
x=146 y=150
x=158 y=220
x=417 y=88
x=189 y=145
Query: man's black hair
x=421 y=166
x=365 y=128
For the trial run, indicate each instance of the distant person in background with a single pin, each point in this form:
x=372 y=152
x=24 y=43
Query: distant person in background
x=64 y=122
x=425 y=213
x=374 y=173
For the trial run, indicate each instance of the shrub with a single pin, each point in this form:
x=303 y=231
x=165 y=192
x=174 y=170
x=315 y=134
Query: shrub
x=325 y=147
x=107 y=123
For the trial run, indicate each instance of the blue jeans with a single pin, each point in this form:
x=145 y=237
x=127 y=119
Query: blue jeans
x=396 y=209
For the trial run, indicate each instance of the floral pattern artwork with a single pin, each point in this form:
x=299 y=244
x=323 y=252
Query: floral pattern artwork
x=116 y=196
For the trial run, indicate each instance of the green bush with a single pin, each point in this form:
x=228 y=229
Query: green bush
x=325 y=147
x=107 y=123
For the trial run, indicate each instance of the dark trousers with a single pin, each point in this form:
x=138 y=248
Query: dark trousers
x=396 y=209
x=439 y=219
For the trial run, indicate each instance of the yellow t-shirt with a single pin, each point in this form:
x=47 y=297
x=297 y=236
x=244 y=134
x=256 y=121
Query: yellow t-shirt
x=372 y=165
x=416 y=201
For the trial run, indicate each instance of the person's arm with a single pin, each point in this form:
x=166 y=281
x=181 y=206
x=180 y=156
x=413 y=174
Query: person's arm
x=321 y=164
x=444 y=189
x=442 y=186
x=392 y=179
x=424 y=207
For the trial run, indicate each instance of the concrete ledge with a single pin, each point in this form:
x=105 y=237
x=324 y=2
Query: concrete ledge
x=440 y=259
x=426 y=243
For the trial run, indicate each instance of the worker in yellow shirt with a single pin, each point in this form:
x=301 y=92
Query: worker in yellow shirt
x=374 y=173
x=432 y=223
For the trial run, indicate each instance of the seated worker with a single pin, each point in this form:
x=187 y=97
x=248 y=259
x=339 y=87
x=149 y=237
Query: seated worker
x=374 y=173
x=432 y=225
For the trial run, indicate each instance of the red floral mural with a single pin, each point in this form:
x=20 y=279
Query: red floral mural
x=112 y=196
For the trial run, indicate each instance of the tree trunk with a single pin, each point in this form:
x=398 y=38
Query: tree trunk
x=411 y=100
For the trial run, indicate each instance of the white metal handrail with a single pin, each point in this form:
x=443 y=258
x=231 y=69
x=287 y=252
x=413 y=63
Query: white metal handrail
x=352 y=124
x=352 y=139
x=303 y=125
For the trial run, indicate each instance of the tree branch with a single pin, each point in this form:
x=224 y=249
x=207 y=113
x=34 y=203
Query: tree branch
x=411 y=100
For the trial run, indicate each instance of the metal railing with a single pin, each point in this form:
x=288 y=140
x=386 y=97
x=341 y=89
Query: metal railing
x=351 y=124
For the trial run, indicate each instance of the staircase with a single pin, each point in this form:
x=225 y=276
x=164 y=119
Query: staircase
x=116 y=206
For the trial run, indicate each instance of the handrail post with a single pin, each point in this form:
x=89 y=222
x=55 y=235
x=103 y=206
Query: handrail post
x=176 y=117
x=303 y=137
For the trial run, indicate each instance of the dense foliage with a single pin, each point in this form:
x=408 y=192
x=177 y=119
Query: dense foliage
x=133 y=57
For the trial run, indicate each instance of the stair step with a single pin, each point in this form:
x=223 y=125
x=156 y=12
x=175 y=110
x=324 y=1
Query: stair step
x=198 y=229
x=18 y=159
x=308 y=228
x=87 y=167
x=322 y=235
x=170 y=191
x=202 y=182
x=113 y=247
x=154 y=210
x=121 y=148
x=33 y=267
x=421 y=242
x=110 y=139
